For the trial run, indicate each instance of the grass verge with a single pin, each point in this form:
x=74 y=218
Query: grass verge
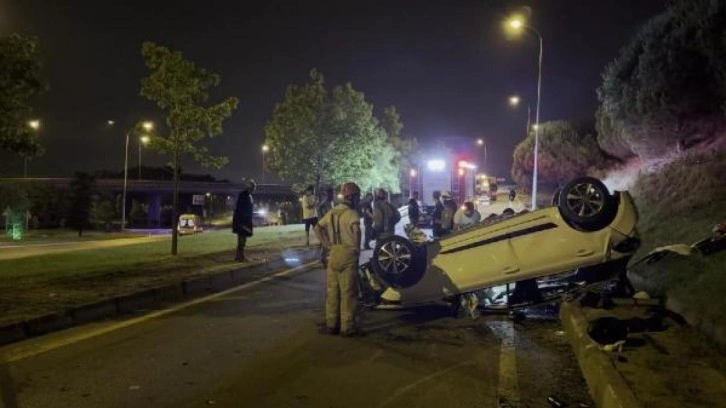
x=41 y=284
x=680 y=204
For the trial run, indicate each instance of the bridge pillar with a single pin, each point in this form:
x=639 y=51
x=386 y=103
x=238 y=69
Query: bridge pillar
x=154 y=216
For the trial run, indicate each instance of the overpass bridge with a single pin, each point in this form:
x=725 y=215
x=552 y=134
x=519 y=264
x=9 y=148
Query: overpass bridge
x=200 y=197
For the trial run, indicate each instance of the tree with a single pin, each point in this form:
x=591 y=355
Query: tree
x=103 y=213
x=180 y=88
x=321 y=136
x=82 y=188
x=404 y=148
x=668 y=84
x=563 y=155
x=20 y=82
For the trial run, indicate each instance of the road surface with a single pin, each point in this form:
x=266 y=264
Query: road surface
x=258 y=346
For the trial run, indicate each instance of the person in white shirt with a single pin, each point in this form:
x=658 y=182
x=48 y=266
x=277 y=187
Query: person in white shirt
x=466 y=216
x=309 y=207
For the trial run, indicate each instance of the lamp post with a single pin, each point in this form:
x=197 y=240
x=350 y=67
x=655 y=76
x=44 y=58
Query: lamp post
x=412 y=175
x=481 y=143
x=265 y=149
x=514 y=101
x=143 y=140
x=518 y=24
x=146 y=126
x=34 y=125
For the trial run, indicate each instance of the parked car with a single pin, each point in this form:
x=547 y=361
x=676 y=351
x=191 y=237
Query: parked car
x=588 y=226
x=189 y=224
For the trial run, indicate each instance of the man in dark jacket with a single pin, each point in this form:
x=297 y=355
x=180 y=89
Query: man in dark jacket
x=242 y=219
x=414 y=213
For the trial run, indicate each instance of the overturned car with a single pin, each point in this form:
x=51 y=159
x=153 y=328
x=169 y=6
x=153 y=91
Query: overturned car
x=586 y=226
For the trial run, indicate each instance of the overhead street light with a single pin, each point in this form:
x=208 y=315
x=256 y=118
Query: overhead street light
x=514 y=101
x=518 y=25
x=34 y=125
x=482 y=144
x=147 y=126
x=265 y=149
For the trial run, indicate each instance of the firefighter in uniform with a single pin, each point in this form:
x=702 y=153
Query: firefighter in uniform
x=339 y=232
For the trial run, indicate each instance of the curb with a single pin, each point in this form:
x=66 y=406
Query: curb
x=607 y=387
x=714 y=331
x=150 y=299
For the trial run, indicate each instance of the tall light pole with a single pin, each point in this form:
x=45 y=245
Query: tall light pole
x=412 y=175
x=146 y=126
x=265 y=149
x=481 y=143
x=514 y=101
x=34 y=125
x=143 y=140
x=518 y=24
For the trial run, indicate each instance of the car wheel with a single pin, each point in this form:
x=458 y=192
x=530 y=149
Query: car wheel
x=586 y=203
x=398 y=261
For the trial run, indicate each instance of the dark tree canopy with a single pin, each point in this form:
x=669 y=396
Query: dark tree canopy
x=564 y=154
x=83 y=187
x=668 y=84
x=20 y=82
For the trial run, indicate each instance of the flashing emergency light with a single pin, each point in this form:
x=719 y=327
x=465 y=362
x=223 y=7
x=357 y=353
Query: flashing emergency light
x=436 y=165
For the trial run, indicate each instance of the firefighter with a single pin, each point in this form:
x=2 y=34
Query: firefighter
x=385 y=216
x=448 y=212
x=242 y=218
x=339 y=232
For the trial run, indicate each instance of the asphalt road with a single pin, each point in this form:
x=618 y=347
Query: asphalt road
x=258 y=346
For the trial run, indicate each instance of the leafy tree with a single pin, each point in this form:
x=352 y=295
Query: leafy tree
x=404 y=148
x=83 y=186
x=563 y=155
x=320 y=136
x=103 y=213
x=181 y=88
x=49 y=204
x=20 y=81
x=668 y=84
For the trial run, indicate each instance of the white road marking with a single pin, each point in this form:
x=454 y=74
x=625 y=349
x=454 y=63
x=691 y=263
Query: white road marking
x=31 y=347
x=508 y=388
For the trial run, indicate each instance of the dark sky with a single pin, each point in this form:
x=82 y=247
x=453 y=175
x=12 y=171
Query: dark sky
x=446 y=65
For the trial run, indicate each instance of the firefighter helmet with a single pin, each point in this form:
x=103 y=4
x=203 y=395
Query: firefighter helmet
x=349 y=189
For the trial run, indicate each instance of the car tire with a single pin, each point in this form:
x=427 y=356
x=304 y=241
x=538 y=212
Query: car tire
x=586 y=204
x=398 y=261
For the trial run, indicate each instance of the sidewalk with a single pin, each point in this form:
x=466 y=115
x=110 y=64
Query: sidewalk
x=662 y=363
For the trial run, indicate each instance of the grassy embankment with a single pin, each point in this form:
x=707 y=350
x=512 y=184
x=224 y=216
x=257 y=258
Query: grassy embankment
x=41 y=284
x=680 y=204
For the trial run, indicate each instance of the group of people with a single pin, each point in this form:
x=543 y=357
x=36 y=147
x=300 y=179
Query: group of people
x=337 y=228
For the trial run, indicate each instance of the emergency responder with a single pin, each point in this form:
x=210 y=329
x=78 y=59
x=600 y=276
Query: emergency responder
x=309 y=205
x=242 y=218
x=447 y=215
x=327 y=204
x=366 y=211
x=385 y=216
x=436 y=216
x=339 y=232
x=466 y=216
x=414 y=212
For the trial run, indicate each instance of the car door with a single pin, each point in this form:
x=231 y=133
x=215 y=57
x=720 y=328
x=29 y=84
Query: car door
x=545 y=244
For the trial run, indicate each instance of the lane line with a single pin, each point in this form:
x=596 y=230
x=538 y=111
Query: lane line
x=410 y=387
x=508 y=387
x=19 y=351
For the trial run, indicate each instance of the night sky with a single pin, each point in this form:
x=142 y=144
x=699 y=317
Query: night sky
x=446 y=65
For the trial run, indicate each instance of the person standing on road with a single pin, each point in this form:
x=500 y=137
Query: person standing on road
x=309 y=204
x=366 y=211
x=242 y=218
x=436 y=216
x=385 y=216
x=447 y=215
x=466 y=216
x=339 y=232
x=414 y=212
x=327 y=205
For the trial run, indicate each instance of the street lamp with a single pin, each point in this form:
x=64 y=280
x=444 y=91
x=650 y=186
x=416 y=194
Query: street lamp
x=146 y=126
x=412 y=175
x=265 y=149
x=143 y=140
x=514 y=101
x=517 y=24
x=481 y=144
x=34 y=125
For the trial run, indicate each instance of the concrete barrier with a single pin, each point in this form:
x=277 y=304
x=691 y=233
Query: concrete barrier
x=607 y=387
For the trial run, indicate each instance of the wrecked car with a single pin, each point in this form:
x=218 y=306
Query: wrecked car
x=586 y=226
